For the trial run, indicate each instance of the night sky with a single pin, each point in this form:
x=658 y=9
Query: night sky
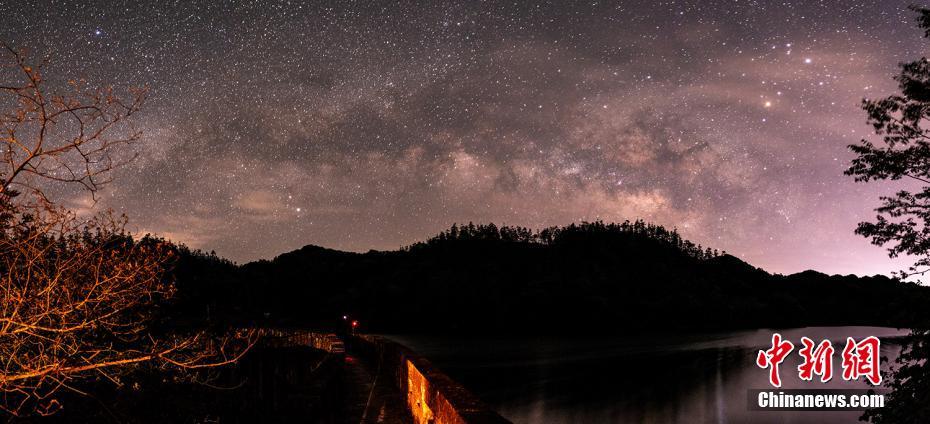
x=371 y=125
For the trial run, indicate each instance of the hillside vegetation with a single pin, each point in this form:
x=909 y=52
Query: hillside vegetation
x=590 y=277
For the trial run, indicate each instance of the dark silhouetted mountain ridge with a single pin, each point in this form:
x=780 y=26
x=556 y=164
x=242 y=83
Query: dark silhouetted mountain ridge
x=587 y=277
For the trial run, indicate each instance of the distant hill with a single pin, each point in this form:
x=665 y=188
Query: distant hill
x=588 y=277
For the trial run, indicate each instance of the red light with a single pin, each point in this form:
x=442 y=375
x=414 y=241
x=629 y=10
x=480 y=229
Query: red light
x=355 y=323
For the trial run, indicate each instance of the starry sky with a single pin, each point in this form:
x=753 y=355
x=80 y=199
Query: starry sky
x=363 y=125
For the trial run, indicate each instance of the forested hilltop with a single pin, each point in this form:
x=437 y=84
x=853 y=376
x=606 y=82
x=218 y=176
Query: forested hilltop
x=588 y=277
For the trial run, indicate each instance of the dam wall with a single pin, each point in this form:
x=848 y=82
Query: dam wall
x=431 y=396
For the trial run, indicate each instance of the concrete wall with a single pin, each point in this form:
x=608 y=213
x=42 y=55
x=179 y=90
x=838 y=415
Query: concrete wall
x=432 y=397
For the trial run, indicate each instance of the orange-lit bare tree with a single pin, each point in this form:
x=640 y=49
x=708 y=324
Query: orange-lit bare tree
x=76 y=295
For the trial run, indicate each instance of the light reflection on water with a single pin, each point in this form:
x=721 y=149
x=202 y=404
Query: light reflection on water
x=670 y=378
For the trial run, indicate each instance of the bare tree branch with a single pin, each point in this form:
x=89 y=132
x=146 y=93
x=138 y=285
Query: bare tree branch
x=77 y=298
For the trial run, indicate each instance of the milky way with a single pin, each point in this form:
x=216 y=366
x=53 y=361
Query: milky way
x=370 y=125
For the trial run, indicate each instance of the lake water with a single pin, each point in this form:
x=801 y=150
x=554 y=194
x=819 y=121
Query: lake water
x=671 y=378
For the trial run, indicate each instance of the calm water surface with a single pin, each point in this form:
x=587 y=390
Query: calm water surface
x=671 y=378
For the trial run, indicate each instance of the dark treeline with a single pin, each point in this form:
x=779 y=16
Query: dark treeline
x=586 y=277
x=637 y=230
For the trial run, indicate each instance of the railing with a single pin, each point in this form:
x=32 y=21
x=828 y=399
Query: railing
x=432 y=397
x=279 y=337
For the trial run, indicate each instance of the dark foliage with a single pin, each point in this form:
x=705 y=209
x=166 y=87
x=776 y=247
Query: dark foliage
x=269 y=385
x=909 y=400
x=583 y=278
x=585 y=232
x=903 y=220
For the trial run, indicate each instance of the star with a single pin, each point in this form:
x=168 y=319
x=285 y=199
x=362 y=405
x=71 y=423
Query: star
x=480 y=112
